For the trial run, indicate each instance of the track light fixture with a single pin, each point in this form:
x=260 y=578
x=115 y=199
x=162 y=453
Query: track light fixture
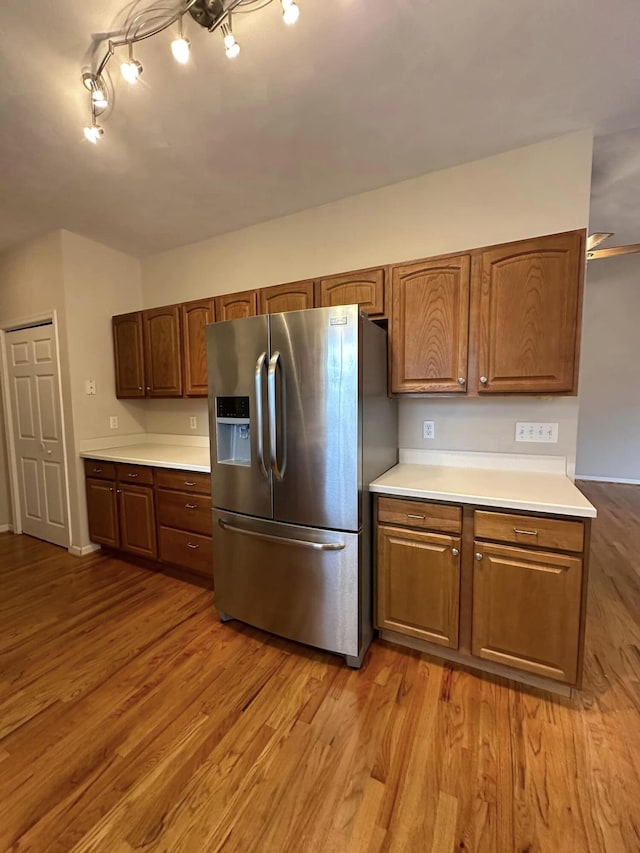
x=209 y=14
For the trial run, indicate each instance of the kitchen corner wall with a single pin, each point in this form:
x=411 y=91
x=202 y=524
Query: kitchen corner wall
x=540 y=189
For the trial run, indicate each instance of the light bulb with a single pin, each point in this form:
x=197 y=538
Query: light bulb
x=92 y=134
x=99 y=99
x=290 y=11
x=131 y=70
x=232 y=48
x=181 y=49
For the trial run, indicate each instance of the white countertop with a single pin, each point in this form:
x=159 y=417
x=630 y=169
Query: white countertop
x=532 y=491
x=184 y=457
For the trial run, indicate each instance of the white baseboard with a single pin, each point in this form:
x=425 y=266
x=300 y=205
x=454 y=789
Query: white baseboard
x=608 y=479
x=6 y=528
x=83 y=550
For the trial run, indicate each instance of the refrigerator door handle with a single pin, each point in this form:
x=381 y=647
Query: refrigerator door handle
x=260 y=364
x=277 y=431
x=301 y=543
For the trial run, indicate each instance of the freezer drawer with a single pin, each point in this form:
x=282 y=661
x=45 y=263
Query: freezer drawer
x=298 y=582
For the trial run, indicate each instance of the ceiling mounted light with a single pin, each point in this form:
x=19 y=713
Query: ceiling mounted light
x=290 y=11
x=131 y=69
x=181 y=47
x=93 y=133
x=231 y=46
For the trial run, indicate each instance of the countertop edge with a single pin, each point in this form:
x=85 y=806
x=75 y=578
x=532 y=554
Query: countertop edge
x=108 y=455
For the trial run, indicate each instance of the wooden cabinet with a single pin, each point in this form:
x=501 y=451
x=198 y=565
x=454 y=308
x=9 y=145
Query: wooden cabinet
x=418 y=572
x=136 y=517
x=528 y=304
x=195 y=316
x=128 y=355
x=430 y=324
x=184 y=521
x=162 y=351
x=102 y=512
x=367 y=288
x=233 y=306
x=285 y=297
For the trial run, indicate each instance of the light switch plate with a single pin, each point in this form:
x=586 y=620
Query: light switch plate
x=543 y=433
x=428 y=429
x=113 y=422
x=193 y=422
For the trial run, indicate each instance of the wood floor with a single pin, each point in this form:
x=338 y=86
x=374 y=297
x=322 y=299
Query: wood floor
x=131 y=719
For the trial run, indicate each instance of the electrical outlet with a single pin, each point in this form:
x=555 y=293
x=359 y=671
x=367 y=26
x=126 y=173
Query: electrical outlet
x=193 y=422
x=113 y=422
x=537 y=432
x=428 y=429
x=90 y=386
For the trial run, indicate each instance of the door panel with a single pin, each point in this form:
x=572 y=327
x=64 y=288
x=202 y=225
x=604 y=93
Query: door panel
x=366 y=288
x=233 y=350
x=285 y=297
x=163 y=351
x=128 y=354
x=195 y=317
x=37 y=430
x=268 y=575
x=137 y=521
x=318 y=411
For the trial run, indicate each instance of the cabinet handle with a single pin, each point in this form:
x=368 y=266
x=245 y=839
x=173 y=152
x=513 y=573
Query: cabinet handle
x=134 y=475
x=193 y=546
x=140 y=388
x=478 y=555
x=97 y=470
x=483 y=380
x=525 y=532
x=148 y=387
x=461 y=380
x=418 y=517
x=110 y=488
x=455 y=552
x=189 y=483
x=118 y=491
x=191 y=506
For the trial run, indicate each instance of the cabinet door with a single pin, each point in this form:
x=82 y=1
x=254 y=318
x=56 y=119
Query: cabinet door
x=365 y=288
x=528 y=315
x=418 y=584
x=195 y=316
x=234 y=306
x=128 y=354
x=430 y=325
x=285 y=297
x=162 y=351
x=102 y=512
x=137 y=520
x=526 y=609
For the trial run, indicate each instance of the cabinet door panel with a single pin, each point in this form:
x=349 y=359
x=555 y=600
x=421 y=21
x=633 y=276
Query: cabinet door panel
x=195 y=316
x=163 y=351
x=430 y=325
x=102 y=512
x=418 y=578
x=529 y=315
x=285 y=297
x=137 y=521
x=365 y=288
x=526 y=610
x=234 y=306
x=187 y=550
x=128 y=355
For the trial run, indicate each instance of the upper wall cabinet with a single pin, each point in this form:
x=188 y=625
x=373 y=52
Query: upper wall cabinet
x=129 y=355
x=195 y=316
x=527 y=297
x=367 y=288
x=234 y=306
x=162 y=351
x=285 y=297
x=430 y=325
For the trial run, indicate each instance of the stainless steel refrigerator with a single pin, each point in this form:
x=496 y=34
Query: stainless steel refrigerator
x=300 y=423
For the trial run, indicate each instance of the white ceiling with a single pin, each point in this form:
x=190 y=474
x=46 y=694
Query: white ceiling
x=359 y=94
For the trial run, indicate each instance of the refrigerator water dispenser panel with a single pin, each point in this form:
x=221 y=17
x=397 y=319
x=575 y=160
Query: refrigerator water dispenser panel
x=233 y=430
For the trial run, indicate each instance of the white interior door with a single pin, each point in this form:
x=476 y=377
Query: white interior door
x=37 y=431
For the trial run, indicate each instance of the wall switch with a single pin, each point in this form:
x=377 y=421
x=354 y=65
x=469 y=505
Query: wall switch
x=90 y=386
x=536 y=432
x=113 y=422
x=193 y=422
x=428 y=429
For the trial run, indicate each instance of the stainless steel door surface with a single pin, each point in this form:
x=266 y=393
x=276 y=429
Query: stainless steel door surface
x=313 y=379
x=294 y=581
x=237 y=361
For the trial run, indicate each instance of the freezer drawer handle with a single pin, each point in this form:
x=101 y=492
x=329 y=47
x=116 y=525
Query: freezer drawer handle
x=302 y=543
x=260 y=364
x=277 y=426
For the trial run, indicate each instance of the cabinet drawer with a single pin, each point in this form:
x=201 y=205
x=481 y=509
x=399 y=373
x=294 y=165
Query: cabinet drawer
x=188 y=550
x=141 y=475
x=183 y=481
x=425 y=516
x=100 y=470
x=530 y=530
x=185 y=511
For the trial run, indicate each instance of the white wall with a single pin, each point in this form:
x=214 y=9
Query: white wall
x=609 y=428
x=540 y=189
